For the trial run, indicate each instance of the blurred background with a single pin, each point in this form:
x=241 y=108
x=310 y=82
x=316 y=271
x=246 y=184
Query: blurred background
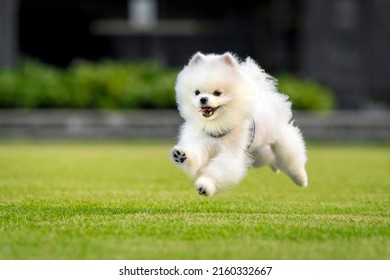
x=329 y=56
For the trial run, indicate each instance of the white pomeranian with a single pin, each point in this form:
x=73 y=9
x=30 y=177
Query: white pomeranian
x=234 y=119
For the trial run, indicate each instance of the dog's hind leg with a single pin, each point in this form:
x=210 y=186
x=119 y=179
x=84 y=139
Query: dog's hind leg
x=265 y=156
x=290 y=154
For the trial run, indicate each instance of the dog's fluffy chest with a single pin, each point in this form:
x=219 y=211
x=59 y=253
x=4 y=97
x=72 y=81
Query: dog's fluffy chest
x=238 y=138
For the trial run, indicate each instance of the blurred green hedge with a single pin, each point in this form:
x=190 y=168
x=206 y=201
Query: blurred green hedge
x=106 y=84
x=117 y=85
x=306 y=95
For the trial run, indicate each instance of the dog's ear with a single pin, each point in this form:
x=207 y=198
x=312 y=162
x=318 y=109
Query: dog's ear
x=229 y=59
x=196 y=58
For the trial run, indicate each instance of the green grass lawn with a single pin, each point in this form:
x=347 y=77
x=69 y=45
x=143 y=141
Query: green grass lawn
x=127 y=201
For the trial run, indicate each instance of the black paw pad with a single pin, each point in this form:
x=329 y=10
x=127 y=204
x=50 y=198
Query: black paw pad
x=202 y=191
x=178 y=156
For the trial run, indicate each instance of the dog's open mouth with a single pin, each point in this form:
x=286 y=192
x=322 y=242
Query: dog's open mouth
x=208 y=111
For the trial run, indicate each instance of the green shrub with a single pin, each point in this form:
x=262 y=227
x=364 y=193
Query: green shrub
x=121 y=85
x=100 y=85
x=305 y=94
x=32 y=85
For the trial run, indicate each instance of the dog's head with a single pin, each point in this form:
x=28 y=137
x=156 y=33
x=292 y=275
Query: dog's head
x=212 y=90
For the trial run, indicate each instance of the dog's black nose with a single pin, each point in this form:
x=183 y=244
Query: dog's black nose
x=204 y=100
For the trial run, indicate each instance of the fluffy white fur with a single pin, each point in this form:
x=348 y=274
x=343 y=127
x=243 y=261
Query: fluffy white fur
x=220 y=98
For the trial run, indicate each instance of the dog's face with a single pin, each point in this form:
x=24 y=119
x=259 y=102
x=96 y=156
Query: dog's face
x=211 y=89
x=209 y=100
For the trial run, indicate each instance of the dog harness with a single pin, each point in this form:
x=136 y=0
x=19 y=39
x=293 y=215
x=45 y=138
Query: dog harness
x=252 y=132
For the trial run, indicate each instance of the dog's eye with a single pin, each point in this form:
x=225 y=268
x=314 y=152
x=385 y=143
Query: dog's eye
x=217 y=93
x=197 y=92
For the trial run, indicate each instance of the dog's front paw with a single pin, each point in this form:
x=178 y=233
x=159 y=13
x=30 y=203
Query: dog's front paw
x=205 y=186
x=178 y=155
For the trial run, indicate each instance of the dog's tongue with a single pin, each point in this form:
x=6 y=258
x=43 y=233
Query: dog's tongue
x=205 y=110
